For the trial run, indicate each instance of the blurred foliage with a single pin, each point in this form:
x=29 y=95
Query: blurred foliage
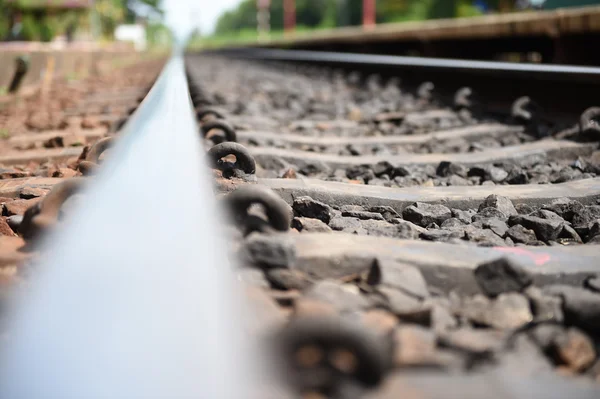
x=317 y=14
x=4 y=20
x=115 y=12
x=158 y=35
x=40 y=25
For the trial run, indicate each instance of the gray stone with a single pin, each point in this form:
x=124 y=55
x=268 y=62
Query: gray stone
x=524 y=209
x=383 y=167
x=268 y=251
x=497 y=226
x=545 y=307
x=503 y=204
x=442 y=235
x=525 y=359
x=423 y=214
x=455 y=180
x=463 y=216
x=363 y=215
x=483 y=237
x=308 y=207
x=390 y=273
x=489 y=172
x=441 y=318
x=339 y=223
x=594 y=230
x=446 y=169
x=520 y=234
x=564 y=207
x=500 y=276
x=581 y=307
x=507 y=311
x=488 y=213
x=344 y=297
x=574 y=349
x=544 y=335
x=470 y=340
x=387 y=212
x=380 y=228
x=546 y=214
x=310 y=225
x=288 y=279
x=568 y=233
x=545 y=229
x=313 y=168
x=452 y=222
x=403 y=305
x=407 y=230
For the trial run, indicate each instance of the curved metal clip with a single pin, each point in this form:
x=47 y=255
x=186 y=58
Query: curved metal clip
x=243 y=160
x=425 y=91
x=92 y=158
x=225 y=127
x=589 y=122
x=324 y=354
x=463 y=98
x=44 y=214
x=276 y=209
x=206 y=114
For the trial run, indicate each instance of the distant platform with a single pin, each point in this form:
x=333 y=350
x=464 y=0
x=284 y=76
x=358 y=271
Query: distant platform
x=560 y=36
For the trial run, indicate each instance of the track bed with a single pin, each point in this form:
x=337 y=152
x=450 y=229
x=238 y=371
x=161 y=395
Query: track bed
x=463 y=240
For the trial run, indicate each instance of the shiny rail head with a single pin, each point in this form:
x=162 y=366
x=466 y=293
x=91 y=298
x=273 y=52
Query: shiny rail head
x=558 y=72
x=132 y=297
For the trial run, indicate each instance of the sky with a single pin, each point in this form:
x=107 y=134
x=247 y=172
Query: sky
x=184 y=15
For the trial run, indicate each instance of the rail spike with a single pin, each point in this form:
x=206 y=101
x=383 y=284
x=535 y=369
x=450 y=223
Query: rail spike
x=244 y=161
x=276 y=209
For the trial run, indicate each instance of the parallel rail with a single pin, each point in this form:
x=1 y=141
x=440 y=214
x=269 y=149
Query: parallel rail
x=497 y=84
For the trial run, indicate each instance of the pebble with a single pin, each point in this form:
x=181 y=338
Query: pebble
x=502 y=204
x=581 y=307
x=416 y=346
x=507 y=311
x=423 y=214
x=501 y=276
x=479 y=341
x=390 y=273
x=310 y=225
x=545 y=307
x=288 y=279
x=308 y=207
x=388 y=213
x=269 y=251
x=575 y=349
x=363 y=215
x=344 y=298
x=545 y=229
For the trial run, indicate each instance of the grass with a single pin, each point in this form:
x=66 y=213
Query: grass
x=245 y=36
x=4 y=134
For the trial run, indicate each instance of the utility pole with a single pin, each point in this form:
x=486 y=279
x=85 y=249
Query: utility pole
x=369 y=14
x=289 y=15
x=263 y=17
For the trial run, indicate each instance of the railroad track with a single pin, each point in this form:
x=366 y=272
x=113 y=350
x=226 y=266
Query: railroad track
x=389 y=243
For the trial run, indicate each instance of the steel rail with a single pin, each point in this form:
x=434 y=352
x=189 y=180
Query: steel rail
x=134 y=297
x=536 y=71
x=562 y=91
